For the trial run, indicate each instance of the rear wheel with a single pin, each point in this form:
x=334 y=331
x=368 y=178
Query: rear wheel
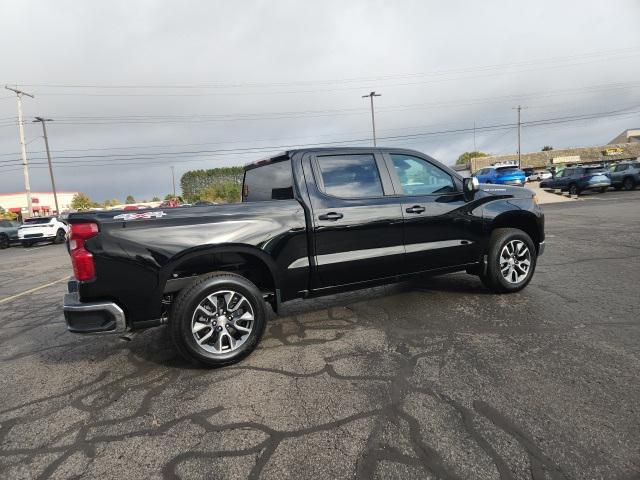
x=511 y=261
x=218 y=320
x=573 y=189
x=27 y=244
x=603 y=190
x=629 y=184
x=60 y=234
x=4 y=241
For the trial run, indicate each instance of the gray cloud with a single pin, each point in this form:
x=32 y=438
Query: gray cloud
x=439 y=66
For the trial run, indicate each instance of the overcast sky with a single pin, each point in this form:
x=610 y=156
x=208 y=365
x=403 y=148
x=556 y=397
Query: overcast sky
x=135 y=87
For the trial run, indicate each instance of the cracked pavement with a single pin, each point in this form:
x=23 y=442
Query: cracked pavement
x=430 y=379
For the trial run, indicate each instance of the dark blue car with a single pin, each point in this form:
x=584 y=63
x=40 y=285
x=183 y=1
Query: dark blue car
x=505 y=175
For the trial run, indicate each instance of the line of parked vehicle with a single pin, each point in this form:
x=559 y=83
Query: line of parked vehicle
x=32 y=231
x=575 y=180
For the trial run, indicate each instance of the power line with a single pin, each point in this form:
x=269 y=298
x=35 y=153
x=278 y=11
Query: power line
x=148 y=160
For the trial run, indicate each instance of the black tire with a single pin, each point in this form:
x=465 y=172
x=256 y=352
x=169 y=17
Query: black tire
x=574 y=190
x=494 y=280
x=60 y=236
x=27 y=244
x=189 y=299
x=617 y=187
x=628 y=184
x=603 y=190
x=4 y=241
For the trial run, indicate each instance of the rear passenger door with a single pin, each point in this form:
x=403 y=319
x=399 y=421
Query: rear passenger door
x=357 y=220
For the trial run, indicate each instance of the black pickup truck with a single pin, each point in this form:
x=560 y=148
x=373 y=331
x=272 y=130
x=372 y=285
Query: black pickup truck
x=311 y=222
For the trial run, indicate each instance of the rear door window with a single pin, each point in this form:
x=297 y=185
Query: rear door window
x=350 y=176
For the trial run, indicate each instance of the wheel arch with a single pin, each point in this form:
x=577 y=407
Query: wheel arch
x=248 y=261
x=522 y=220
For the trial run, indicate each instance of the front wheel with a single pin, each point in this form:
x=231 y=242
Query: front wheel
x=4 y=241
x=218 y=320
x=511 y=261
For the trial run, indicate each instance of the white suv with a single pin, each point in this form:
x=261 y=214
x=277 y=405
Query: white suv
x=41 y=229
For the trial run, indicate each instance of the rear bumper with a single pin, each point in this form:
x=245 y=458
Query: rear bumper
x=92 y=317
x=592 y=186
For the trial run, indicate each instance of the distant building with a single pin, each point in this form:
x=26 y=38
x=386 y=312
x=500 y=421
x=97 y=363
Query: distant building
x=43 y=203
x=628 y=136
x=627 y=150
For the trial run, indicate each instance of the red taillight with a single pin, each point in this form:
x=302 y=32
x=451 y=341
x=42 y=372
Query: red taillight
x=81 y=259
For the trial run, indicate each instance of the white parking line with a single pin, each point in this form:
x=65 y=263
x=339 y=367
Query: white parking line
x=31 y=290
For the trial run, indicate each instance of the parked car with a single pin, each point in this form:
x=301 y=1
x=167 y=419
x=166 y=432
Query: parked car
x=575 y=180
x=8 y=232
x=41 y=229
x=504 y=175
x=311 y=222
x=538 y=175
x=625 y=175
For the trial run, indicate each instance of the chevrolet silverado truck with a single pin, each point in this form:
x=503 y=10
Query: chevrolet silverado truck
x=311 y=222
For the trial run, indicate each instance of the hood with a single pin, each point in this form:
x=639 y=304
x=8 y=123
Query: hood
x=508 y=190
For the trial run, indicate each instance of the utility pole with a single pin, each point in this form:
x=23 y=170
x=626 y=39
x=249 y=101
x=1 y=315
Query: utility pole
x=46 y=144
x=373 y=117
x=519 y=109
x=173 y=179
x=474 y=136
x=23 y=147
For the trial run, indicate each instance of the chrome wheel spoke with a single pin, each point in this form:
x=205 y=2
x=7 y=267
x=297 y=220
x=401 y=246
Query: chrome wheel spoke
x=205 y=337
x=205 y=310
x=197 y=326
x=240 y=328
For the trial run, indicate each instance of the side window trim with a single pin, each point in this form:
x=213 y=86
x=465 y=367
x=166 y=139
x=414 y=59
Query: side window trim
x=397 y=185
x=383 y=173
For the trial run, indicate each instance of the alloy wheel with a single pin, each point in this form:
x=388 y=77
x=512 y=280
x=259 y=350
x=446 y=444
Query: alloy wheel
x=222 y=322
x=515 y=261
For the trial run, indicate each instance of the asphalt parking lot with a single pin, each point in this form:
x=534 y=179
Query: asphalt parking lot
x=434 y=379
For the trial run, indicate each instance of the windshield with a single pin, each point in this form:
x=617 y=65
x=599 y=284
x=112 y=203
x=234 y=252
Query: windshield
x=37 y=221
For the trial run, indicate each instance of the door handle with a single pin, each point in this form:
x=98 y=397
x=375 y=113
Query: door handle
x=331 y=216
x=416 y=209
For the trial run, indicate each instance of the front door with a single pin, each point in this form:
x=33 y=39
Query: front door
x=439 y=229
x=357 y=220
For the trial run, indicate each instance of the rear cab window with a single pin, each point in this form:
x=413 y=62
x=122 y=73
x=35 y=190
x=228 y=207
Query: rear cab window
x=272 y=180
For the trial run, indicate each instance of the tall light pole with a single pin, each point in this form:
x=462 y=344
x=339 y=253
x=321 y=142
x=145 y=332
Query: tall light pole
x=23 y=147
x=373 y=117
x=46 y=144
x=173 y=179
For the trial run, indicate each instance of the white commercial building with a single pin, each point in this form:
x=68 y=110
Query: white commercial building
x=42 y=203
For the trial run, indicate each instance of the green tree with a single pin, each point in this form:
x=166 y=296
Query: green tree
x=227 y=191
x=81 y=201
x=466 y=157
x=6 y=215
x=194 y=182
x=110 y=203
x=155 y=199
x=129 y=200
x=547 y=148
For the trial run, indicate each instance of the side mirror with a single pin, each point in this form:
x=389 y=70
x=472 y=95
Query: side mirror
x=470 y=186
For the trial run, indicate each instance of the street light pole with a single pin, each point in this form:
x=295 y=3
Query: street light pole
x=373 y=117
x=173 y=179
x=23 y=147
x=46 y=144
